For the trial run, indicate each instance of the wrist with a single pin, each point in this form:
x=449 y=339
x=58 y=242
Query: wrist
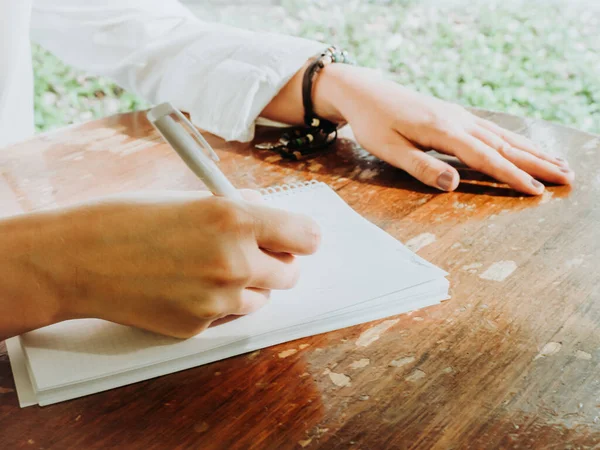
x=338 y=91
x=328 y=91
x=327 y=95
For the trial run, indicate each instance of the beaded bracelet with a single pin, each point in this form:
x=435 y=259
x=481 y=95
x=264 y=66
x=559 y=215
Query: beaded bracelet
x=318 y=133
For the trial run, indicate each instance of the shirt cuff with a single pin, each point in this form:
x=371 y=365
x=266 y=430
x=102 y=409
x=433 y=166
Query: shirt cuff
x=241 y=85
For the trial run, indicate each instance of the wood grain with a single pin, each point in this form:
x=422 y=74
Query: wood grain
x=512 y=360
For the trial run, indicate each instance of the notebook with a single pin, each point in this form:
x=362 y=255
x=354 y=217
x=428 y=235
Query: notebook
x=359 y=274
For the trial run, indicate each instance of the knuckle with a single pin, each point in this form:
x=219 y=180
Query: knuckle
x=231 y=265
x=461 y=111
x=232 y=216
x=484 y=161
x=447 y=132
x=420 y=168
x=451 y=133
x=502 y=134
x=431 y=116
x=434 y=121
x=470 y=126
x=208 y=307
x=503 y=148
x=440 y=123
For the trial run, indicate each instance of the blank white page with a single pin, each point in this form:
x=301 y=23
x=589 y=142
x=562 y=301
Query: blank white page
x=356 y=262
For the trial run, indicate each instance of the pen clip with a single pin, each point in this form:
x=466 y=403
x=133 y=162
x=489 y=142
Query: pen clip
x=196 y=134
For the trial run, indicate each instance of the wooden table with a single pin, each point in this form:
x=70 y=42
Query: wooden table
x=511 y=361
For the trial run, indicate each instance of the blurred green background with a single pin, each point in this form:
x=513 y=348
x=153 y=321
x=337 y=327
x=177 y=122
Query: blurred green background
x=533 y=58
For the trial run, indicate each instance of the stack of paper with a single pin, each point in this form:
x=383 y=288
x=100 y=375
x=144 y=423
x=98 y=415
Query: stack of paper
x=359 y=274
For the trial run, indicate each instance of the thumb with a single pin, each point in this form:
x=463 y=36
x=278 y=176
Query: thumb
x=424 y=167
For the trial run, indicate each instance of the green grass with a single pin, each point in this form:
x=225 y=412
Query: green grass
x=533 y=58
x=64 y=95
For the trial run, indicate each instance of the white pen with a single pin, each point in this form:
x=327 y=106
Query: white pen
x=191 y=146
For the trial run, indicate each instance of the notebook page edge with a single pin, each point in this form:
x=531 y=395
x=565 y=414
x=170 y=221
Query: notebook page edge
x=24 y=387
x=347 y=310
x=190 y=361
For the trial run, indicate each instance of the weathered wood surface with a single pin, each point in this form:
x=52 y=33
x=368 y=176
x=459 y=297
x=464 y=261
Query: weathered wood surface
x=510 y=362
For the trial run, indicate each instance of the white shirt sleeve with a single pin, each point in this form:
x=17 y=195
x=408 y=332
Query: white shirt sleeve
x=222 y=76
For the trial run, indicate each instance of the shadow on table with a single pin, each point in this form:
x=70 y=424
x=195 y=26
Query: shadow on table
x=348 y=160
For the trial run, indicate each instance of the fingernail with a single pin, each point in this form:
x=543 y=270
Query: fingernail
x=444 y=181
x=565 y=170
x=562 y=161
x=536 y=184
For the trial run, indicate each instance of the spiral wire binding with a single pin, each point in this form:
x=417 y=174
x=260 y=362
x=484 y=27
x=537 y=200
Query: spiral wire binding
x=289 y=188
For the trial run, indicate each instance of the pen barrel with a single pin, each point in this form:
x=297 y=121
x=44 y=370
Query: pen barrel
x=196 y=160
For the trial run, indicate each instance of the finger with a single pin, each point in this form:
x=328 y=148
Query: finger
x=423 y=167
x=223 y=320
x=537 y=167
x=252 y=196
x=248 y=301
x=252 y=300
x=485 y=159
x=274 y=270
x=520 y=142
x=285 y=232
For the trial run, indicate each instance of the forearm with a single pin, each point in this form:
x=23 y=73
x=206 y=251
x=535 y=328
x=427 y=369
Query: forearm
x=28 y=297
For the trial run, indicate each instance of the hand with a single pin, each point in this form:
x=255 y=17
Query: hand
x=397 y=124
x=171 y=264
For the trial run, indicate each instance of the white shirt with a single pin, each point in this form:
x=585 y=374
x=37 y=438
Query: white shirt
x=222 y=76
